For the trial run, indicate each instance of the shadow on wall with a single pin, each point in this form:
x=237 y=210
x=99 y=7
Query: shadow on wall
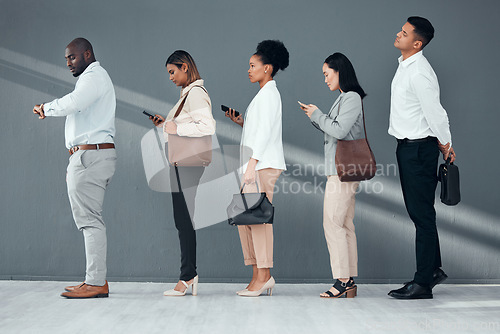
x=463 y=228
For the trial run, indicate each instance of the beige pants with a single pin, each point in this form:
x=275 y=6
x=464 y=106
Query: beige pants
x=257 y=240
x=338 y=215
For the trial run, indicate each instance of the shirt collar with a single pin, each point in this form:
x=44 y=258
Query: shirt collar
x=270 y=83
x=91 y=66
x=411 y=59
x=186 y=89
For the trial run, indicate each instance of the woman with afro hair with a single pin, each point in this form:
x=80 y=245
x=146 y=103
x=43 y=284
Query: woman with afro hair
x=262 y=158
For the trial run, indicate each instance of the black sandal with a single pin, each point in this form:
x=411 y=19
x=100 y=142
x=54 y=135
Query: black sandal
x=349 y=289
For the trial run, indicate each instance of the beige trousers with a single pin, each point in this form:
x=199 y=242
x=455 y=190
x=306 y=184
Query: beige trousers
x=338 y=215
x=257 y=240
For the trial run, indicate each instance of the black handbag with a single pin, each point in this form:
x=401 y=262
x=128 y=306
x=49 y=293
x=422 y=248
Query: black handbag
x=250 y=209
x=450 y=183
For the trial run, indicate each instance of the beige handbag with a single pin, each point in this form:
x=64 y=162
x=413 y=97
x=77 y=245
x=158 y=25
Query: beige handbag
x=189 y=151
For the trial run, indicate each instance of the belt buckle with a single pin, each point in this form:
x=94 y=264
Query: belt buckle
x=74 y=149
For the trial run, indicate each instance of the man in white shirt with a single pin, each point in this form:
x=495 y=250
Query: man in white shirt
x=421 y=127
x=89 y=132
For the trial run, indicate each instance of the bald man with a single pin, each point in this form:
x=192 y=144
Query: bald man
x=89 y=132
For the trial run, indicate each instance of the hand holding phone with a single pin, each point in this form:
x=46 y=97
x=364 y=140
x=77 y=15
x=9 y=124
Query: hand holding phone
x=308 y=108
x=157 y=119
x=235 y=116
x=226 y=109
x=301 y=104
x=147 y=114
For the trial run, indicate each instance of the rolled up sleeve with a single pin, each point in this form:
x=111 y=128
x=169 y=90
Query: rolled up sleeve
x=85 y=94
x=200 y=111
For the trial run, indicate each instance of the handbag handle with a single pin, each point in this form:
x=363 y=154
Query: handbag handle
x=243 y=195
x=184 y=101
x=244 y=184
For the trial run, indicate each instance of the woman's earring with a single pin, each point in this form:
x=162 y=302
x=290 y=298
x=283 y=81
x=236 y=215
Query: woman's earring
x=265 y=71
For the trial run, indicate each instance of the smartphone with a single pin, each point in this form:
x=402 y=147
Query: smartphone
x=147 y=114
x=224 y=109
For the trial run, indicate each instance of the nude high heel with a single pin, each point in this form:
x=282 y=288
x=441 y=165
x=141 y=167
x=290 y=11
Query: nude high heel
x=268 y=286
x=194 y=287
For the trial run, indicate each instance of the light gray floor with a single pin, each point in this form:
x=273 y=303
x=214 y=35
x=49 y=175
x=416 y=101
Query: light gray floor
x=35 y=307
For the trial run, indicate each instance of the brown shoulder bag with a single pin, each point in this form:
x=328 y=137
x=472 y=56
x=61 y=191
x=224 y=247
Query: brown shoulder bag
x=354 y=159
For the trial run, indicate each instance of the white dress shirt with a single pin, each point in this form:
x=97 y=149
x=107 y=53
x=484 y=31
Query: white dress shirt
x=89 y=109
x=416 y=110
x=262 y=130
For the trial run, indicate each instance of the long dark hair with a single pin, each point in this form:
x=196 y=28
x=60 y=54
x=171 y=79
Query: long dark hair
x=180 y=57
x=347 y=76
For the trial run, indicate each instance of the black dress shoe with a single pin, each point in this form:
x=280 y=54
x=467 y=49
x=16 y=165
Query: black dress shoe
x=412 y=290
x=438 y=277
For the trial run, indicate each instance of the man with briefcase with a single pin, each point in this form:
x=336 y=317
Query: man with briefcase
x=420 y=125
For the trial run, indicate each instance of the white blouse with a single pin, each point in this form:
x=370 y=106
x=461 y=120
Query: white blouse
x=262 y=130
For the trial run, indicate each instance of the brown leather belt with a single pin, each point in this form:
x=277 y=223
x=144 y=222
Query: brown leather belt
x=91 y=147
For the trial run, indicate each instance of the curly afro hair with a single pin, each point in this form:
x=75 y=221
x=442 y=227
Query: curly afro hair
x=273 y=52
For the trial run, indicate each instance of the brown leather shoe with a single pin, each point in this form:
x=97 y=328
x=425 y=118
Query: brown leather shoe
x=88 y=291
x=73 y=287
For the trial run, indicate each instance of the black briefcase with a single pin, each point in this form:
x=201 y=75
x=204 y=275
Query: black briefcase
x=449 y=177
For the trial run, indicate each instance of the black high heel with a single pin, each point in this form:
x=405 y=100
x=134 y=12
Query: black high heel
x=348 y=289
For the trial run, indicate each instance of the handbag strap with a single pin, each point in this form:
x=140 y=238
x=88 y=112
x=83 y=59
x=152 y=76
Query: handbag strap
x=244 y=184
x=184 y=101
x=243 y=195
x=241 y=191
x=364 y=123
x=363 y=113
x=178 y=179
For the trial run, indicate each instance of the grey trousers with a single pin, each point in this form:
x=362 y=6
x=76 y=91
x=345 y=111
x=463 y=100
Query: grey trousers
x=89 y=173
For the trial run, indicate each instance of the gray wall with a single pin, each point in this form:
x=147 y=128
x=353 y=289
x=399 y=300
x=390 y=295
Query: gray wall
x=132 y=40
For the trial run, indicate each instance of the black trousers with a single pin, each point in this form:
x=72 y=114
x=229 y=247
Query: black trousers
x=418 y=174
x=183 y=205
